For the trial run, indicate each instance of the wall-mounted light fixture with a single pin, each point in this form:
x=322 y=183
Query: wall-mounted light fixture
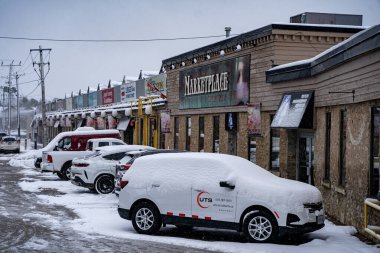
x=194 y=60
x=222 y=52
x=173 y=67
x=183 y=64
x=238 y=47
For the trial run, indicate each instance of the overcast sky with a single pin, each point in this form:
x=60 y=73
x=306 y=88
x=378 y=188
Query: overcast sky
x=77 y=65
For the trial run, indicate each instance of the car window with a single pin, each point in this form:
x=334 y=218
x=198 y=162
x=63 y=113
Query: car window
x=117 y=143
x=102 y=144
x=90 y=145
x=115 y=157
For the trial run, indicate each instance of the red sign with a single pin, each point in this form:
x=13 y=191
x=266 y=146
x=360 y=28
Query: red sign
x=107 y=96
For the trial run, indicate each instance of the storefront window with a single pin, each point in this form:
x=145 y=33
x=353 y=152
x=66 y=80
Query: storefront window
x=327 y=146
x=274 y=148
x=215 y=138
x=375 y=151
x=176 y=133
x=201 y=143
x=252 y=149
x=188 y=133
x=342 y=149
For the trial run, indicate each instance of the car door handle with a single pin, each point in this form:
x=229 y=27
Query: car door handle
x=198 y=190
x=155 y=185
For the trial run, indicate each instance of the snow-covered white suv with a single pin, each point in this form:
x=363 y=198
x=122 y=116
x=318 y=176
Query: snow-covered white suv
x=97 y=171
x=218 y=191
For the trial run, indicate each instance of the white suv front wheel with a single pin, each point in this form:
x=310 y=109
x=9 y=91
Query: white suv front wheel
x=260 y=226
x=146 y=219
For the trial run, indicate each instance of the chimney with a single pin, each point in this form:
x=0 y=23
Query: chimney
x=228 y=30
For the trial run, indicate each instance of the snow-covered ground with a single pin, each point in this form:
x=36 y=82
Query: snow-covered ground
x=98 y=216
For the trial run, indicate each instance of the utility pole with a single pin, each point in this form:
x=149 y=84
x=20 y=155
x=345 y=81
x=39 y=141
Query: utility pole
x=18 y=105
x=41 y=65
x=9 y=92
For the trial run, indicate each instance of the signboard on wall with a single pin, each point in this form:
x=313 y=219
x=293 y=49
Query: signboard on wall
x=254 y=120
x=68 y=122
x=79 y=101
x=156 y=85
x=61 y=104
x=128 y=92
x=225 y=83
x=295 y=110
x=100 y=123
x=165 y=121
x=107 y=96
x=92 y=99
x=112 y=123
x=90 y=122
x=231 y=121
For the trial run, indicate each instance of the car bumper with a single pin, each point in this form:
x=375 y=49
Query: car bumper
x=300 y=229
x=9 y=148
x=124 y=213
x=47 y=167
x=79 y=182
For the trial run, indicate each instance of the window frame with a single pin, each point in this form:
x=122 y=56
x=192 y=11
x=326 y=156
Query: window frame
x=327 y=166
x=342 y=147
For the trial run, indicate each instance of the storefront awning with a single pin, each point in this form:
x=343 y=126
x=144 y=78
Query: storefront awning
x=295 y=111
x=123 y=123
x=56 y=124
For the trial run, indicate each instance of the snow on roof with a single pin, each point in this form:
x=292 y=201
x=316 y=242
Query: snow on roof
x=146 y=74
x=320 y=25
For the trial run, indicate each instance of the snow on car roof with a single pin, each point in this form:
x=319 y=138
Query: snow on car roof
x=121 y=148
x=105 y=139
x=197 y=170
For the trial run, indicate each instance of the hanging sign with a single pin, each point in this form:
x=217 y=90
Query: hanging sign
x=165 y=121
x=254 y=120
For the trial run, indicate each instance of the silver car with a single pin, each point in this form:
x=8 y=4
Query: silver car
x=10 y=144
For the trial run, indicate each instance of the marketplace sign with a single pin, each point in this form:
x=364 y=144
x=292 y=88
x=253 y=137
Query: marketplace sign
x=107 y=96
x=225 y=83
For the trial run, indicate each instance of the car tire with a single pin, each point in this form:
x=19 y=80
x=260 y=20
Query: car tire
x=37 y=163
x=66 y=171
x=104 y=184
x=146 y=219
x=260 y=226
x=59 y=174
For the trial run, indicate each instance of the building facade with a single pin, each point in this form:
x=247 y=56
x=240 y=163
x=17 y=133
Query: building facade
x=342 y=143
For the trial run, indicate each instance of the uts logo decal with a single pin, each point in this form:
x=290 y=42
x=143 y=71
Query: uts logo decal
x=204 y=200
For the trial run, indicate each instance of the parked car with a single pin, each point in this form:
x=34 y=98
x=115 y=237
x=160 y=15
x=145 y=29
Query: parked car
x=2 y=134
x=97 y=171
x=92 y=144
x=217 y=191
x=125 y=163
x=74 y=141
x=69 y=146
x=10 y=144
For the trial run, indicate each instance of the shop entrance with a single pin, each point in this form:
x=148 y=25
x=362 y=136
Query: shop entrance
x=305 y=157
x=232 y=142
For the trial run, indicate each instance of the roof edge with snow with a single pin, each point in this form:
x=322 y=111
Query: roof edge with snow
x=358 y=44
x=258 y=33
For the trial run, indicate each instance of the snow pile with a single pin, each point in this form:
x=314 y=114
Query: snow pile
x=24 y=160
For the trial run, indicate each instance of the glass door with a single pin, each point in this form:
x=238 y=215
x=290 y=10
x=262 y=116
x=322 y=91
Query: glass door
x=305 y=161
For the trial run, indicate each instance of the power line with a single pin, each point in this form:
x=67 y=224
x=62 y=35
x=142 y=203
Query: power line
x=35 y=88
x=118 y=40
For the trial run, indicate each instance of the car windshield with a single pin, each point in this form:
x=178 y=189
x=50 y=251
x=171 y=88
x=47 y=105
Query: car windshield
x=8 y=139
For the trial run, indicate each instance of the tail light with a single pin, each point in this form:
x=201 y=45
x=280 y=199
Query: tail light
x=124 y=167
x=123 y=184
x=81 y=164
x=49 y=159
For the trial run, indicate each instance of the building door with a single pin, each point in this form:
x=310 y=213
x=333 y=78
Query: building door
x=305 y=158
x=232 y=142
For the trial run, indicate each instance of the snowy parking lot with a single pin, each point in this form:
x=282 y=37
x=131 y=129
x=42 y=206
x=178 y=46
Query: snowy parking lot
x=96 y=217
